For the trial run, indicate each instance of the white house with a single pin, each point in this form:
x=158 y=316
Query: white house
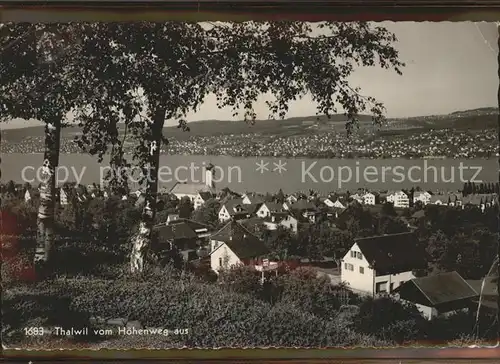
x=440 y=294
x=381 y=263
x=63 y=197
x=399 y=199
x=201 y=198
x=27 y=195
x=327 y=201
x=291 y=199
x=338 y=204
x=235 y=208
x=191 y=190
x=171 y=218
x=423 y=196
x=281 y=219
x=268 y=208
x=252 y=198
x=368 y=198
x=234 y=245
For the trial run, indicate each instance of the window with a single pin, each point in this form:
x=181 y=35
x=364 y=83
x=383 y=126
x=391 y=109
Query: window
x=359 y=255
x=362 y=270
x=220 y=262
x=353 y=254
x=391 y=287
x=381 y=287
x=348 y=266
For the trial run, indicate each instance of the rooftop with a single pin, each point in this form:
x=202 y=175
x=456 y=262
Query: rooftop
x=441 y=288
x=393 y=253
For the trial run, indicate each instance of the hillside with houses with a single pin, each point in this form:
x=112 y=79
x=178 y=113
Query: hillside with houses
x=423 y=252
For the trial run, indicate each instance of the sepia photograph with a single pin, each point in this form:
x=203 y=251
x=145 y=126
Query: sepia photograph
x=249 y=184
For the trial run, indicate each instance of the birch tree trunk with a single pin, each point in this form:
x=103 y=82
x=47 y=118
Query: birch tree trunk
x=498 y=246
x=45 y=219
x=142 y=240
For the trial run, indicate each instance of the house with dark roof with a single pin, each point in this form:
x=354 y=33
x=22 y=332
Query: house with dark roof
x=268 y=208
x=440 y=294
x=252 y=198
x=235 y=209
x=203 y=231
x=379 y=264
x=191 y=190
x=178 y=236
x=305 y=208
x=487 y=292
x=283 y=219
x=233 y=245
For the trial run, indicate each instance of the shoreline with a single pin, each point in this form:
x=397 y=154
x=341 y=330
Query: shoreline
x=285 y=156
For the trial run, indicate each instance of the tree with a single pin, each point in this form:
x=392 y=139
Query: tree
x=208 y=213
x=388 y=209
x=176 y=65
x=185 y=208
x=43 y=78
x=281 y=243
x=389 y=319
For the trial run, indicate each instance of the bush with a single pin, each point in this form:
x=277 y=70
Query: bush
x=390 y=319
x=213 y=316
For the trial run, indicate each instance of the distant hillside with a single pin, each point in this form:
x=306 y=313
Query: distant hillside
x=484 y=118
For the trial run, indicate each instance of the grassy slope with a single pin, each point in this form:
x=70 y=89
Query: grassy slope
x=478 y=119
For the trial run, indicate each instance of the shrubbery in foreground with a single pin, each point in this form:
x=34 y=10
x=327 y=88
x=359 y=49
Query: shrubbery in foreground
x=214 y=317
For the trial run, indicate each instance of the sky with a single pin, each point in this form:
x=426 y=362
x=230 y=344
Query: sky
x=450 y=66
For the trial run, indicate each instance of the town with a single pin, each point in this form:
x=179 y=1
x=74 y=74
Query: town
x=417 y=143
x=367 y=246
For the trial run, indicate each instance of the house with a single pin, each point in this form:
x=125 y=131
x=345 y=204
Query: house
x=268 y=208
x=487 y=291
x=30 y=194
x=179 y=236
x=455 y=199
x=333 y=212
x=423 y=196
x=201 y=198
x=438 y=200
x=171 y=218
x=357 y=197
x=252 y=198
x=291 y=199
x=338 y=204
x=398 y=199
x=283 y=219
x=235 y=209
x=234 y=245
x=63 y=197
x=439 y=294
x=481 y=201
x=381 y=263
x=201 y=230
x=305 y=208
x=368 y=198
x=191 y=190
x=327 y=201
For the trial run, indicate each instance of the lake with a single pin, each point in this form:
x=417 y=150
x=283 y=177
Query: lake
x=271 y=174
